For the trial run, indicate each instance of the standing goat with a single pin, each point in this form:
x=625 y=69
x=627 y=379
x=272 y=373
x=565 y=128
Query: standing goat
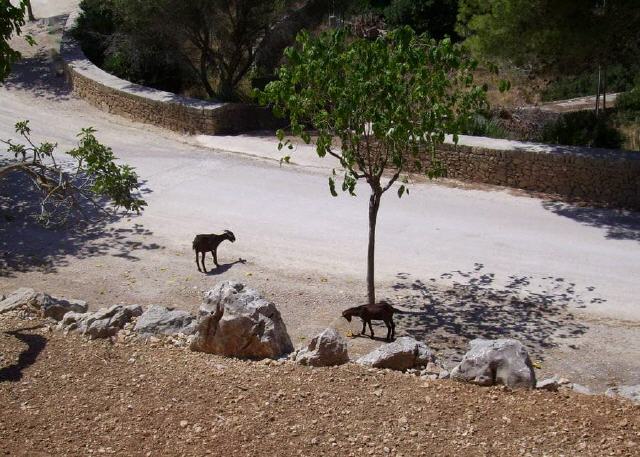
x=209 y=243
x=378 y=312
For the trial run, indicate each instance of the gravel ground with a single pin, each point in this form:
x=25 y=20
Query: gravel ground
x=67 y=396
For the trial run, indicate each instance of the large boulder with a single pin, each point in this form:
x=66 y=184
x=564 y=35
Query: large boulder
x=236 y=321
x=403 y=354
x=159 y=320
x=103 y=323
x=56 y=308
x=329 y=348
x=502 y=361
x=23 y=297
x=629 y=392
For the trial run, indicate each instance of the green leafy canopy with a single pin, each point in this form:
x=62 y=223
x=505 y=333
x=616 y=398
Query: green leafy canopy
x=375 y=105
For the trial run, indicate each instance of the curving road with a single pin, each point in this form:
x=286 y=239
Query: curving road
x=285 y=214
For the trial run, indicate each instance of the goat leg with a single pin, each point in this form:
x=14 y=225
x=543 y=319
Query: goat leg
x=214 y=253
x=364 y=327
x=204 y=268
x=371 y=328
x=198 y=261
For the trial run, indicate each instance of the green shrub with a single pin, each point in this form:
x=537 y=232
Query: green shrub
x=95 y=28
x=629 y=101
x=582 y=128
x=485 y=126
x=620 y=78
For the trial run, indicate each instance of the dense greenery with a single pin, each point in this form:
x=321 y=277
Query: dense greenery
x=389 y=101
x=582 y=128
x=204 y=47
x=620 y=78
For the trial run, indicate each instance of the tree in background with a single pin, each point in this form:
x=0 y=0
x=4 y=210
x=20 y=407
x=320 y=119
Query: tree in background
x=437 y=18
x=553 y=37
x=389 y=102
x=213 y=43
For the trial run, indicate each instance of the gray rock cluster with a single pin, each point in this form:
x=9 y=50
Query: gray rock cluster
x=631 y=393
x=403 y=354
x=159 y=320
x=48 y=305
x=104 y=323
x=490 y=362
x=236 y=321
x=329 y=348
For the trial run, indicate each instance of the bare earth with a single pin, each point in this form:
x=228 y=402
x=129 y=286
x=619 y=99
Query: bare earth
x=88 y=398
x=465 y=261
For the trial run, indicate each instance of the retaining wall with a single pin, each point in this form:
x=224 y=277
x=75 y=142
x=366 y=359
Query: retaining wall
x=151 y=106
x=606 y=177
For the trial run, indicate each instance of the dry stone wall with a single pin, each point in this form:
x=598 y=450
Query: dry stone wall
x=598 y=176
x=151 y=106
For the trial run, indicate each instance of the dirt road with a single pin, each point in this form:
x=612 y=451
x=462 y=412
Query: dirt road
x=467 y=261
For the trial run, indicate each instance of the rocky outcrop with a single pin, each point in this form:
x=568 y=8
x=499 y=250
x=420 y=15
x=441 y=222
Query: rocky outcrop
x=236 y=321
x=403 y=354
x=159 y=320
x=629 y=392
x=56 y=308
x=104 y=323
x=490 y=362
x=329 y=348
x=48 y=305
x=23 y=297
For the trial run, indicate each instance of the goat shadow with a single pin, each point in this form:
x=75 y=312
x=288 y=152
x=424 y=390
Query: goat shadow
x=35 y=345
x=532 y=310
x=223 y=268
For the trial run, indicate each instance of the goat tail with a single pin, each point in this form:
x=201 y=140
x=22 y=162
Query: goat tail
x=194 y=244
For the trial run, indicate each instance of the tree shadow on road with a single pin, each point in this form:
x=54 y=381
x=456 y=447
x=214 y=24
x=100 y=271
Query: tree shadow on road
x=37 y=75
x=27 y=246
x=475 y=307
x=617 y=224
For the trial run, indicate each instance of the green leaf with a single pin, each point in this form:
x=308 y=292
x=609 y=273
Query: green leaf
x=504 y=85
x=332 y=187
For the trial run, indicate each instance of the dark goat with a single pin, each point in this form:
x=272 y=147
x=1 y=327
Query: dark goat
x=209 y=243
x=379 y=312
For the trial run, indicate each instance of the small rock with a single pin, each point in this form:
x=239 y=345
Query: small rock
x=629 y=392
x=402 y=354
x=550 y=384
x=490 y=362
x=183 y=423
x=581 y=389
x=328 y=348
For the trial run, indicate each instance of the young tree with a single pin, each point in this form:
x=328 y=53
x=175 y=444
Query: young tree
x=65 y=188
x=380 y=107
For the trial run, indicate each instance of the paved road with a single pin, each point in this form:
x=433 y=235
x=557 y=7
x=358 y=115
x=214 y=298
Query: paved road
x=286 y=215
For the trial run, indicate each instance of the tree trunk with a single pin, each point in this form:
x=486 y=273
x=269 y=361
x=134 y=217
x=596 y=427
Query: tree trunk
x=604 y=91
x=598 y=94
x=374 y=205
x=30 y=11
x=204 y=76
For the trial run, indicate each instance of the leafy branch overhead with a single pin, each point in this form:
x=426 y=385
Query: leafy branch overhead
x=377 y=106
x=67 y=186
